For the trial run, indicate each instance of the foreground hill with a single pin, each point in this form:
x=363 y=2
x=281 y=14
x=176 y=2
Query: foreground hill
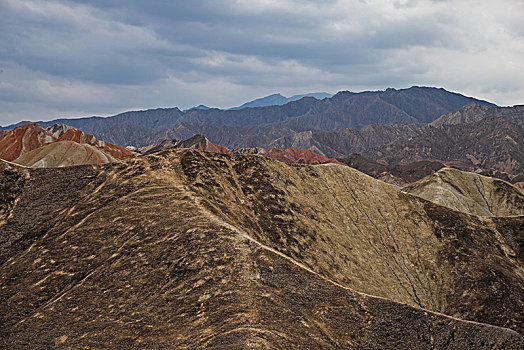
x=487 y=144
x=470 y=193
x=188 y=249
x=58 y=145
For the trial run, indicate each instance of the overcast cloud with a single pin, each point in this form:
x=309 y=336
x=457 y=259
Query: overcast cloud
x=79 y=58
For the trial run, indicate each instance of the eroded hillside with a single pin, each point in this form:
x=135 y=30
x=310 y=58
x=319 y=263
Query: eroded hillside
x=366 y=234
x=470 y=193
x=189 y=249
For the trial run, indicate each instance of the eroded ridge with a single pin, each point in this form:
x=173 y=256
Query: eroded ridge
x=145 y=254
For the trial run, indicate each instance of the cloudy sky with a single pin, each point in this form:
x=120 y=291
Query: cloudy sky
x=82 y=58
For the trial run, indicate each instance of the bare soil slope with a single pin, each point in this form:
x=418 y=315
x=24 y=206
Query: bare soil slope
x=470 y=193
x=64 y=153
x=187 y=249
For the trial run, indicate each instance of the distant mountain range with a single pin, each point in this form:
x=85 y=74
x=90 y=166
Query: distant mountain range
x=490 y=143
x=197 y=107
x=399 y=129
x=279 y=100
x=270 y=100
x=343 y=110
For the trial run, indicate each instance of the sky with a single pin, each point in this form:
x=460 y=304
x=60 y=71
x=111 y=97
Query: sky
x=83 y=58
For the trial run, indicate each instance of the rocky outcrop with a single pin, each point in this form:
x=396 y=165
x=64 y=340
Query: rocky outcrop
x=470 y=193
x=196 y=142
x=185 y=249
x=253 y=150
x=58 y=130
x=3 y=133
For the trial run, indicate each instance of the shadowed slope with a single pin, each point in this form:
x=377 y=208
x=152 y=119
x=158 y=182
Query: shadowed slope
x=151 y=254
x=470 y=193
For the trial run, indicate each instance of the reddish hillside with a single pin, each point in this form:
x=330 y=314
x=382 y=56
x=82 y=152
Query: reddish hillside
x=22 y=139
x=28 y=141
x=64 y=153
x=3 y=133
x=78 y=136
x=299 y=156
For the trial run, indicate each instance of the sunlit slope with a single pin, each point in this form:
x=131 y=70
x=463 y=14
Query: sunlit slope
x=470 y=193
x=367 y=235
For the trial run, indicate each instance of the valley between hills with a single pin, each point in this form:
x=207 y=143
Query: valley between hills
x=376 y=220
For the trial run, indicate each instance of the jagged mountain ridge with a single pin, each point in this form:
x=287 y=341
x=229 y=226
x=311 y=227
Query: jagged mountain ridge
x=487 y=144
x=228 y=136
x=343 y=110
x=346 y=141
x=401 y=174
x=472 y=112
x=222 y=257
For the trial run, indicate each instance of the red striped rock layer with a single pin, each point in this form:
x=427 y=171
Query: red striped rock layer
x=299 y=156
x=22 y=139
x=32 y=145
x=78 y=136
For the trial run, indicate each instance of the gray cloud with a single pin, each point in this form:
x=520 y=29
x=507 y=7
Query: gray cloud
x=61 y=58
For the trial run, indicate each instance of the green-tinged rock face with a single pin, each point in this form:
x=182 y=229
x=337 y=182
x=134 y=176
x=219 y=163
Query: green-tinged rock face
x=186 y=249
